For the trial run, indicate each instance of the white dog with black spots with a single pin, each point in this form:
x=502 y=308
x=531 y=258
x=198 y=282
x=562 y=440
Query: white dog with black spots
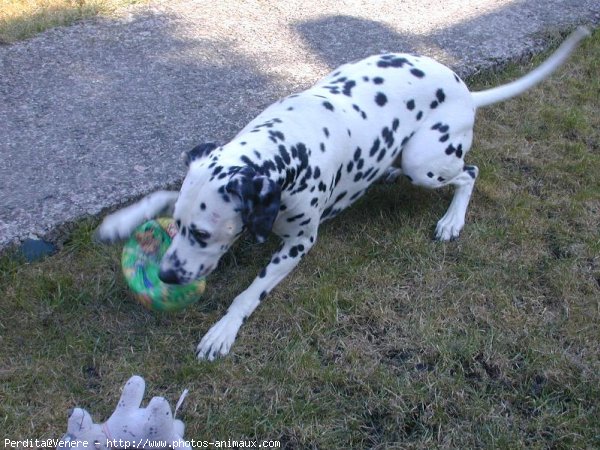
x=311 y=155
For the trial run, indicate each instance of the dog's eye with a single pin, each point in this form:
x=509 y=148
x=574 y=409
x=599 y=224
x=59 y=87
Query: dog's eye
x=200 y=235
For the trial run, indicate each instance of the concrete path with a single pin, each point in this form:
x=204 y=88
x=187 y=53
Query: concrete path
x=96 y=114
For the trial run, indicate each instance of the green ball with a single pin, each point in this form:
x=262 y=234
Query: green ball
x=140 y=261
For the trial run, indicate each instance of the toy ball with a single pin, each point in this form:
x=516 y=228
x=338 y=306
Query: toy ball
x=140 y=261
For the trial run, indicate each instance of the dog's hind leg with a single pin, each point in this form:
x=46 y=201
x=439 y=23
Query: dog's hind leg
x=450 y=225
x=120 y=224
x=434 y=158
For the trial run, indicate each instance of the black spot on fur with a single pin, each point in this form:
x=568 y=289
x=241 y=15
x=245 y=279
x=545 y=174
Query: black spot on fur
x=339 y=197
x=356 y=195
x=430 y=174
x=434 y=104
x=373 y=175
x=399 y=62
x=419 y=115
x=202 y=206
x=417 y=73
x=444 y=138
x=296 y=217
x=199 y=151
x=348 y=88
x=328 y=106
x=249 y=162
x=439 y=94
x=375 y=147
x=388 y=136
x=395 y=124
x=279 y=163
x=410 y=105
x=275 y=135
x=262 y=296
x=338 y=175
x=284 y=154
x=322 y=147
x=326 y=131
x=459 y=151
x=326 y=211
x=294 y=250
x=391 y=61
x=357 y=153
x=378 y=80
x=380 y=99
x=441 y=179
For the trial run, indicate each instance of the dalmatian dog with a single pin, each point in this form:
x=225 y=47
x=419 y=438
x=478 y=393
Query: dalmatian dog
x=311 y=155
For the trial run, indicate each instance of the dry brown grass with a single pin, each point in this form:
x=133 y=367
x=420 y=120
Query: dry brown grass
x=20 y=19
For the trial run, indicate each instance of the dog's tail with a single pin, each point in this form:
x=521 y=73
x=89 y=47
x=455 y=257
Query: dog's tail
x=506 y=91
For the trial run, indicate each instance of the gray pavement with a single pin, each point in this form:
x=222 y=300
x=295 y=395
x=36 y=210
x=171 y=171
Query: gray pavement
x=97 y=114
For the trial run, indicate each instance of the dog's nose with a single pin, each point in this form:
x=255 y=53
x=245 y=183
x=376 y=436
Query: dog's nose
x=168 y=276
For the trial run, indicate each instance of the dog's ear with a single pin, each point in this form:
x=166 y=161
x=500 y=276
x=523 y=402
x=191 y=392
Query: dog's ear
x=199 y=151
x=260 y=199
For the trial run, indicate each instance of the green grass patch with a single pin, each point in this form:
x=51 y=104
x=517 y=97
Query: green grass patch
x=382 y=337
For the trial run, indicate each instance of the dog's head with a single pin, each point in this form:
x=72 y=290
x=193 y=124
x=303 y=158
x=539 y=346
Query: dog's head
x=215 y=205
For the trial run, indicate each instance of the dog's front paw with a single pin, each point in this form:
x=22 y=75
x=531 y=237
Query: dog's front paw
x=449 y=227
x=219 y=339
x=116 y=227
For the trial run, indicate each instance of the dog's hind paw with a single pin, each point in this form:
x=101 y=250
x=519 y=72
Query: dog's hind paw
x=219 y=339
x=390 y=176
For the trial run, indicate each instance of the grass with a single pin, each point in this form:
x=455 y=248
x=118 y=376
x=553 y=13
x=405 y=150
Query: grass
x=21 y=19
x=381 y=338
